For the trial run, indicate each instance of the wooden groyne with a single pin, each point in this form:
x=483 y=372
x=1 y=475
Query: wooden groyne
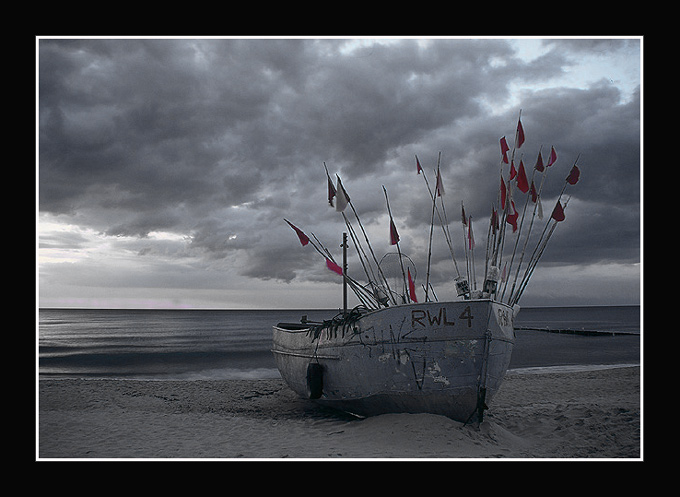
x=577 y=331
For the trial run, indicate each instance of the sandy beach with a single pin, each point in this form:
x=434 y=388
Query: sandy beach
x=587 y=414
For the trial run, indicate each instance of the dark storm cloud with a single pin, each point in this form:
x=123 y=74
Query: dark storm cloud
x=221 y=139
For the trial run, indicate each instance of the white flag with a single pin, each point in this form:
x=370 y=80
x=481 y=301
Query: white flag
x=342 y=199
x=439 y=187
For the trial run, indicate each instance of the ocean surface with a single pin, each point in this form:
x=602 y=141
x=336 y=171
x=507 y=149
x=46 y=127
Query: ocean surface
x=235 y=344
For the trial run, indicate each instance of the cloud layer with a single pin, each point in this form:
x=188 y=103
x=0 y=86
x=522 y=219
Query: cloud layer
x=188 y=153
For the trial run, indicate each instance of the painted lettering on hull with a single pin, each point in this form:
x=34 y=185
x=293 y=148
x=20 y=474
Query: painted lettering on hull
x=426 y=318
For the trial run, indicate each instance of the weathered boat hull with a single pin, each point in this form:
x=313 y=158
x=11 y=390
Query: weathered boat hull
x=444 y=358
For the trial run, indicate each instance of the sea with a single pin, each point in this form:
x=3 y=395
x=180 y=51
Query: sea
x=236 y=344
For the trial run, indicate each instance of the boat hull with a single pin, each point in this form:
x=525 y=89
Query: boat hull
x=445 y=358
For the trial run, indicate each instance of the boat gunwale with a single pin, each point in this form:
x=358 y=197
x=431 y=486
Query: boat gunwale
x=410 y=304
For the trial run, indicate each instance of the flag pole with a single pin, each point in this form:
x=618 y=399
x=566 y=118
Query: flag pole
x=491 y=241
x=543 y=240
x=325 y=253
x=544 y=170
x=548 y=222
x=344 y=274
x=368 y=243
x=519 y=234
x=498 y=256
x=530 y=270
x=471 y=246
x=429 y=244
x=360 y=252
x=429 y=249
x=447 y=236
x=370 y=248
x=403 y=273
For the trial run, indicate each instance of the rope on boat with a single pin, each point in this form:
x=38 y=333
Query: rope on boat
x=339 y=321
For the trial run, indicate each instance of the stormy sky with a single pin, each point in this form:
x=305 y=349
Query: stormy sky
x=165 y=167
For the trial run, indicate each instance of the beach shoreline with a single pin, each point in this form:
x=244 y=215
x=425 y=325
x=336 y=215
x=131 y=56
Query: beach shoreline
x=593 y=414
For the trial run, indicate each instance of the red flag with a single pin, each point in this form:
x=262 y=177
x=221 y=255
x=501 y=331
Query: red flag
x=331 y=192
x=333 y=266
x=512 y=218
x=504 y=149
x=513 y=171
x=539 y=163
x=411 y=287
x=553 y=157
x=558 y=212
x=304 y=240
x=394 y=236
x=574 y=174
x=520 y=134
x=503 y=193
x=471 y=237
x=534 y=193
x=462 y=214
x=522 y=182
x=418 y=168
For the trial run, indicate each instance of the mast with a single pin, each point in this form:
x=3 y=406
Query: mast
x=396 y=242
x=344 y=274
x=444 y=224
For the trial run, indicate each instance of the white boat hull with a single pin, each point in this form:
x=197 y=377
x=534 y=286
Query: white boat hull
x=444 y=358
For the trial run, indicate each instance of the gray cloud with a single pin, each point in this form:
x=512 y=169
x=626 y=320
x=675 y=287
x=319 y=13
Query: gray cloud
x=219 y=140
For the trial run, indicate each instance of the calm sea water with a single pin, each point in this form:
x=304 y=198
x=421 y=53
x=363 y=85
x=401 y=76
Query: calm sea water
x=227 y=344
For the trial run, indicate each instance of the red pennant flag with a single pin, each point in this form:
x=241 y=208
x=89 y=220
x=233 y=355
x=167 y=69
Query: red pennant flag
x=512 y=218
x=471 y=237
x=503 y=193
x=574 y=174
x=539 y=163
x=522 y=182
x=331 y=192
x=553 y=157
x=520 y=134
x=558 y=212
x=513 y=171
x=533 y=192
x=504 y=149
x=333 y=266
x=304 y=240
x=418 y=168
x=394 y=236
x=411 y=287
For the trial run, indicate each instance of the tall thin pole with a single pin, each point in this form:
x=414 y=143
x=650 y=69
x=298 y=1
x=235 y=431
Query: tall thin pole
x=519 y=234
x=344 y=274
x=368 y=243
x=429 y=245
x=441 y=221
x=401 y=262
x=531 y=224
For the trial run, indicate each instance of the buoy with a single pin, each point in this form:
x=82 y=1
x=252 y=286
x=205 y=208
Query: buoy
x=315 y=380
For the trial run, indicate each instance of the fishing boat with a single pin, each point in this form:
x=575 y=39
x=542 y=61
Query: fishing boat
x=393 y=354
x=444 y=358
